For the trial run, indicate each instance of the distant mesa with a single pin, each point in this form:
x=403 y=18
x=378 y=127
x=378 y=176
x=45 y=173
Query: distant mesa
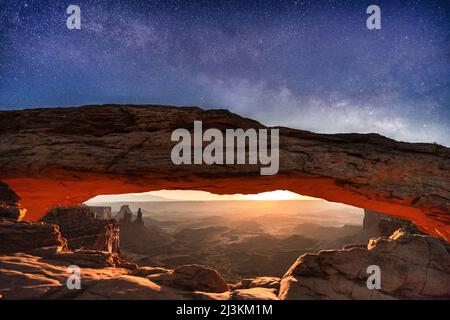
x=125 y=216
x=101 y=212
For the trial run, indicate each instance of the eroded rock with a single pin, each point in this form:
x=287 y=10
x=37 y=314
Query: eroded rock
x=256 y=293
x=22 y=236
x=24 y=276
x=83 y=230
x=129 y=288
x=262 y=282
x=9 y=206
x=413 y=266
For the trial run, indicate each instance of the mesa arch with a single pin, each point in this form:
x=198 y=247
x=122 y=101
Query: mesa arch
x=65 y=156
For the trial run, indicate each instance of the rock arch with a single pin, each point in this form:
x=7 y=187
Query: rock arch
x=64 y=156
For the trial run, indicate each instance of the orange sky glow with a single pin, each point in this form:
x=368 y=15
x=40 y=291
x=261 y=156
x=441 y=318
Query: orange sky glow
x=194 y=195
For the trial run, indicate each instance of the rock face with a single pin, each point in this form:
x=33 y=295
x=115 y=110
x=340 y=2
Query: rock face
x=412 y=266
x=9 y=207
x=261 y=282
x=25 y=276
x=22 y=236
x=192 y=278
x=68 y=155
x=79 y=225
x=378 y=224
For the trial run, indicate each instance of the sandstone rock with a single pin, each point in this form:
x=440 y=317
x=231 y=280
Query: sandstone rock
x=68 y=155
x=17 y=285
x=378 y=224
x=124 y=215
x=101 y=212
x=24 y=276
x=83 y=231
x=146 y=271
x=129 y=288
x=92 y=259
x=200 y=295
x=192 y=278
x=413 y=266
x=88 y=258
x=9 y=206
x=104 y=275
x=255 y=293
x=262 y=282
x=21 y=236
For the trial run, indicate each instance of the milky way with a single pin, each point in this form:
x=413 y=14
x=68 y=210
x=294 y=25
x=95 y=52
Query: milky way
x=311 y=65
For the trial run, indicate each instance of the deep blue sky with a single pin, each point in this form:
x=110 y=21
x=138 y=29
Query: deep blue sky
x=307 y=64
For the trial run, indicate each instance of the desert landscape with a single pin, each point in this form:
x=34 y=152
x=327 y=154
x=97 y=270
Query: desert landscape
x=240 y=239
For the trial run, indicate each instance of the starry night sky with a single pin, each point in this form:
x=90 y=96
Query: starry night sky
x=311 y=65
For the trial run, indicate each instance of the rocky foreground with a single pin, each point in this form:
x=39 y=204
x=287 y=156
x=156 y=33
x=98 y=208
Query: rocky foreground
x=34 y=258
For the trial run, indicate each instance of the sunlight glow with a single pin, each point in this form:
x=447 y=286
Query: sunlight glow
x=277 y=195
x=194 y=195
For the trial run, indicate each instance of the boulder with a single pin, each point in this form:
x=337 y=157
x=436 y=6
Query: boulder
x=192 y=278
x=255 y=293
x=91 y=259
x=412 y=266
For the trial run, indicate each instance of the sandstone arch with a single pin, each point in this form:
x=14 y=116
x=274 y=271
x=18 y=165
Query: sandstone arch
x=68 y=155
